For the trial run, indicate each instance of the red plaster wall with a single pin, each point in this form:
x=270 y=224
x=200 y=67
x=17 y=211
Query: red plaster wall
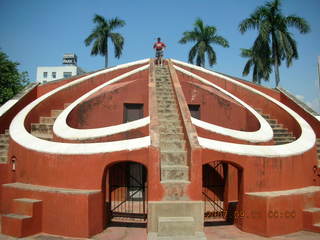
x=254 y=100
x=217 y=108
x=272 y=216
x=106 y=108
x=269 y=174
x=59 y=210
x=68 y=171
x=57 y=101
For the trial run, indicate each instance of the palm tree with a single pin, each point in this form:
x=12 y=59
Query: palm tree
x=258 y=60
x=204 y=36
x=273 y=28
x=101 y=34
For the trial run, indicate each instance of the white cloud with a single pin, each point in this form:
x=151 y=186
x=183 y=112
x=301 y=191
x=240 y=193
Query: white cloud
x=315 y=105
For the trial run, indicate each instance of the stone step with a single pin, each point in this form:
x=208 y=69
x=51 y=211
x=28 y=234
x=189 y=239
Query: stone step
x=44 y=136
x=167 y=106
x=162 y=81
x=175 y=189
x=276 y=125
x=284 y=138
x=172 y=136
x=47 y=120
x=315 y=213
x=283 y=134
x=167 y=109
x=173 y=145
x=165 y=99
x=172 y=123
x=169 y=115
x=161 y=91
x=4 y=146
x=55 y=113
x=41 y=128
x=174 y=172
x=176 y=226
x=272 y=121
x=4 y=140
x=24 y=206
x=4 y=137
x=3 y=152
x=198 y=236
x=280 y=130
x=164 y=96
x=166 y=102
x=282 y=142
x=3 y=159
x=168 y=130
x=173 y=157
x=266 y=116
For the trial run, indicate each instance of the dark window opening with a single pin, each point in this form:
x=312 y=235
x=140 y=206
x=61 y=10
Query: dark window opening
x=194 y=110
x=132 y=111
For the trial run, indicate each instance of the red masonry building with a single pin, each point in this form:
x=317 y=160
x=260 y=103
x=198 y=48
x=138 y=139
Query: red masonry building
x=174 y=147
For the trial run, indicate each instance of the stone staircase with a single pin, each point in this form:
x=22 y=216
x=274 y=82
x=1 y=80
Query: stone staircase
x=4 y=145
x=174 y=169
x=311 y=219
x=175 y=218
x=281 y=135
x=25 y=220
x=44 y=129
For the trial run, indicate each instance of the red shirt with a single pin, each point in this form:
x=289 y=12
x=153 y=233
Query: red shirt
x=159 y=45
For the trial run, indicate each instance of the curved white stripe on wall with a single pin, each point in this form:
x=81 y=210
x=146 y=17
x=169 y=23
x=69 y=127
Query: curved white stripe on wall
x=63 y=130
x=264 y=133
x=304 y=143
x=20 y=135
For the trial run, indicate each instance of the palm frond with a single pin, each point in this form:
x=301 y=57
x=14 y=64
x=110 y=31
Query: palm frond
x=115 y=23
x=118 y=42
x=299 y=23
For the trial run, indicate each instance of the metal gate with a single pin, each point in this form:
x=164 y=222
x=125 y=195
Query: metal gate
x=214 y=179
x=128 y=192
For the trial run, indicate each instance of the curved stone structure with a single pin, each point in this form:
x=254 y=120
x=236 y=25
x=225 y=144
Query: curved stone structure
x=170 y=129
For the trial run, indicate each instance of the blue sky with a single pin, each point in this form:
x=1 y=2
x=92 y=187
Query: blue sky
x=38 y=33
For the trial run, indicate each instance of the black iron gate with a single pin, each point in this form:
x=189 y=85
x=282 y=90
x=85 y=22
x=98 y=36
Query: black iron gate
x=213 y=187
x=128 y=192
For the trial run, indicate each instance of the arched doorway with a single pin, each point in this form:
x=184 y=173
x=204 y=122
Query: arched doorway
x=126 y=194
x=222 y=192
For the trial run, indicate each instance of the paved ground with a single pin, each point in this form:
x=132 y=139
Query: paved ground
x=213 y=233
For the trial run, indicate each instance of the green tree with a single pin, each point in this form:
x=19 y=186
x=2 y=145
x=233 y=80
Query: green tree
x=101 y=34
x=258 y=61
x=11 y=81
x=273 y=28
x=203 y=36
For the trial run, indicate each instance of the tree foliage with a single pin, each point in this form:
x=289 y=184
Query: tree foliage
x=274 y=35
x=100 y=35
x=11 y=81
x=204 y=36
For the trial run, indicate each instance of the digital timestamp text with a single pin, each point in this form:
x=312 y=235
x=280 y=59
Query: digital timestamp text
x=251 y=214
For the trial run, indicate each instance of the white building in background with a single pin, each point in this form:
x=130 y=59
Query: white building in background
x=69 y=69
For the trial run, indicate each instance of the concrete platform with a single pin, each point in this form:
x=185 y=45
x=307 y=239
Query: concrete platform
x=212 y=233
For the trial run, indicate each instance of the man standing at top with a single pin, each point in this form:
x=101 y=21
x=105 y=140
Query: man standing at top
x=159 y=47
